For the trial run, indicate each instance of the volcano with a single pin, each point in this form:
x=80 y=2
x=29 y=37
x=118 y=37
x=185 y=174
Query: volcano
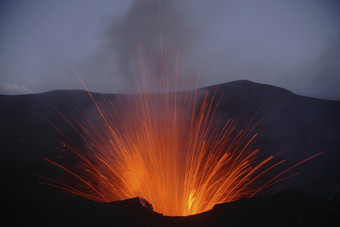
x=310 y=125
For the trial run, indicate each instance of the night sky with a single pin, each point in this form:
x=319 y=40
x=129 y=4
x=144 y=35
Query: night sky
x=294 y=44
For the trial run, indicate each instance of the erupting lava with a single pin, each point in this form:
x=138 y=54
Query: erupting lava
x=166 y=148
x=171 y=148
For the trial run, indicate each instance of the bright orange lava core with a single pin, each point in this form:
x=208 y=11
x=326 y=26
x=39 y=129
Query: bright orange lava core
x=167 y=149
x=173 y=149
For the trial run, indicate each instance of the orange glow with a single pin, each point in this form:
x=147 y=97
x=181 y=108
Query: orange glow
x=167 y=149
x=173 y=149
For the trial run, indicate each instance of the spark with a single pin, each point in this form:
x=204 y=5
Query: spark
x=169 y=149
x=173 y=149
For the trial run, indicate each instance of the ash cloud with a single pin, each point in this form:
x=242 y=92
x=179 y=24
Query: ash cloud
x=282 y=44
x=153 y=34
x=290 y=44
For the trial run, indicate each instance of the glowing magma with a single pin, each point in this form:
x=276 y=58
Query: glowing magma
x=169 y=149
x=173 y=149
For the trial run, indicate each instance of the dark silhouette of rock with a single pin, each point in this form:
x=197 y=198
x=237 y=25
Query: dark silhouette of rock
x=25 y=138
x=287 y=208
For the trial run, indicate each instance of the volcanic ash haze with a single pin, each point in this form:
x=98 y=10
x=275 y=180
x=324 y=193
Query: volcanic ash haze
x=151 y=30
x=290 y=44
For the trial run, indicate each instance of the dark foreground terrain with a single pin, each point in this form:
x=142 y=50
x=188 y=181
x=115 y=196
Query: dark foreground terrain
x=25 y=139
x=287 y=208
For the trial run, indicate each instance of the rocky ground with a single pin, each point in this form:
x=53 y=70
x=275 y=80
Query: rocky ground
x=25 y=139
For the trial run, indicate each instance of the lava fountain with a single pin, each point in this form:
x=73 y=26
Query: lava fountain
x=167 y=149
x=172 y=148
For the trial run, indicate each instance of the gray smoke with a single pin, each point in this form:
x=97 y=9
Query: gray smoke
x=151 y=35
x=290 y=44
x=265 y=42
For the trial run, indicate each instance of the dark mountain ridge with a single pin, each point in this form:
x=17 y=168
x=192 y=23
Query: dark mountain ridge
x=25 y=138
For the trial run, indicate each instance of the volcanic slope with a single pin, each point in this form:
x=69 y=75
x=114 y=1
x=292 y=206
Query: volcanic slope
x=25 y=139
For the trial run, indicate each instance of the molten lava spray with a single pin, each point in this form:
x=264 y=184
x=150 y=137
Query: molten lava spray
x=167 y=148
x=171 y=148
